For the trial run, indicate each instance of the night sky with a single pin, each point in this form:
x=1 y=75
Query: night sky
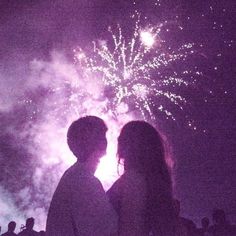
x=202 y=137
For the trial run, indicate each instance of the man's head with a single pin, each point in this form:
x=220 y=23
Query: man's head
x=218 y=216
x=30 y=223
x=11 y=226
x=86 y=138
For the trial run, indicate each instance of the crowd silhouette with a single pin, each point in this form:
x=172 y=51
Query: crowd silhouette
x=25 y=230
x=219 y=227
x=139 y=203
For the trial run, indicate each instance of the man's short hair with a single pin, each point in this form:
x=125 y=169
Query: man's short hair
x=84 y=136
x=12 y=226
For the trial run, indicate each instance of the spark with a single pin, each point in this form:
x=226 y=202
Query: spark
x=147 y=38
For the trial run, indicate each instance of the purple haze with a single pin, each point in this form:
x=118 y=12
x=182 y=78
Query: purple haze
x=36 y=44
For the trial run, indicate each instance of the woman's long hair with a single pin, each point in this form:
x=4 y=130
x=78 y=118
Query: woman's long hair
x=142 y=149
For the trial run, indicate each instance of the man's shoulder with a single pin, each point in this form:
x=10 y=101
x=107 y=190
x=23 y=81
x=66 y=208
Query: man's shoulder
x=69 y=177
x=34 y=233
x=5 y=234
x=28 y=233
x=76 y=180
x=76 y=173
x=8 y=234
x=23 y=233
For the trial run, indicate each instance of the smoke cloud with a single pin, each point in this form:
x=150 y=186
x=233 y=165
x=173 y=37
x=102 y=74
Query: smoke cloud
x=37 y=107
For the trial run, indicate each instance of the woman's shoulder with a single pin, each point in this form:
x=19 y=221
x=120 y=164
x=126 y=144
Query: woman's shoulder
x=133 y=177
x=130 y=176
x=134 y=173
x=130 y=183
x=130 y=179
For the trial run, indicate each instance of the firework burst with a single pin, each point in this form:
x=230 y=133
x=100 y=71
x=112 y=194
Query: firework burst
x=131 y=70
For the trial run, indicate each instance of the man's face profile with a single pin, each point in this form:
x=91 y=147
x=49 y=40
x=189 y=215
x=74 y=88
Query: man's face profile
x=102 y=148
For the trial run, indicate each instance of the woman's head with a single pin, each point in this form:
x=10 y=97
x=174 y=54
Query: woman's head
x=141 y=147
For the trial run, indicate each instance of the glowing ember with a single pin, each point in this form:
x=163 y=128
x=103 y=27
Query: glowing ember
x=147 y=38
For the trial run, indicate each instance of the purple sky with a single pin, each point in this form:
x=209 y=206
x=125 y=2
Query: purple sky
x=206 y=160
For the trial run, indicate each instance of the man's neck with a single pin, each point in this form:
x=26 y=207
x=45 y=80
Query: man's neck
x=85 y=166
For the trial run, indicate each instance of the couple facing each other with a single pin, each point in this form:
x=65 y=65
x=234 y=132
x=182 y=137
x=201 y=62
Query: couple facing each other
x=139 y=203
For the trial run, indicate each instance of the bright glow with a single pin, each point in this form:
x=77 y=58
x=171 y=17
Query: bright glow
x=109 y=170
x=147 y=38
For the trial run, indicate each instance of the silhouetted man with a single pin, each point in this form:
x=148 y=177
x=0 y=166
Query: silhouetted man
x=11 y=229
x=205 y=227
x=79 y=205
x=28 y=231
x=189 y=225
x=221 y=227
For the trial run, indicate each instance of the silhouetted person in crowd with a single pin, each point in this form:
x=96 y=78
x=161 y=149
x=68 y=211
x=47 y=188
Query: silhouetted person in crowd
x=79 y=205
x=203 y=231
x=221 y=227
x=11 y=229
x=186 y=223
x=28 y=231
x=142 y=196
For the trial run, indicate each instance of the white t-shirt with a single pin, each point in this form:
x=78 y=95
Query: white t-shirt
x=80 y=206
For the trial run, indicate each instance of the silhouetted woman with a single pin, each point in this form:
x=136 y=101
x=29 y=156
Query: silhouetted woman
x=142 y=196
